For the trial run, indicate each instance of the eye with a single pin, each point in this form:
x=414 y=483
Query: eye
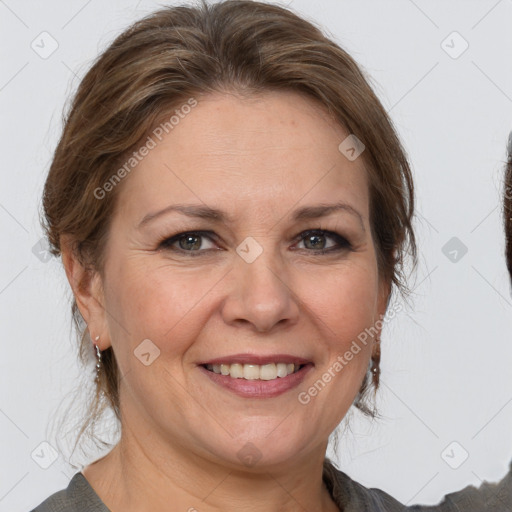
x=316 y=240
x=190 y=241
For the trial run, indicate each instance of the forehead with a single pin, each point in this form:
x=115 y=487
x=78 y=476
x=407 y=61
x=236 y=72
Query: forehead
x=273 y=149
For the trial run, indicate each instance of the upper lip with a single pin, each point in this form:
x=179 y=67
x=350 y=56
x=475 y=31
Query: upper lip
x=260 y=359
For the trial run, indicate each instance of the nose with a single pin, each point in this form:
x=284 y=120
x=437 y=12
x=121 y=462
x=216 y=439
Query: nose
x=261 y=295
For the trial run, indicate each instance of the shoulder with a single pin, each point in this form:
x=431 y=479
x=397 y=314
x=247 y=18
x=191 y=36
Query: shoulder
x=79 y=496
x=495 y=497
x=352 y=496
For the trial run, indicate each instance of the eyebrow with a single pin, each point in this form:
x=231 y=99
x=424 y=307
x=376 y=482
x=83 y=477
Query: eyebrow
x=205 y=212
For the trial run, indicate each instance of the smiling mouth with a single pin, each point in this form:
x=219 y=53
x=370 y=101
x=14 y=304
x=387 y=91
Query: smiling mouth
x=264 y=372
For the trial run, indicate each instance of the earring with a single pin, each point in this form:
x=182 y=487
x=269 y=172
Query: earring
x=98 y=360
x=375 y=368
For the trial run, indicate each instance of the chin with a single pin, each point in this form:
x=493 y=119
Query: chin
x=262 y=449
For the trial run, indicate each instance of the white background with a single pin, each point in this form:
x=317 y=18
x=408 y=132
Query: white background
x=446 y=360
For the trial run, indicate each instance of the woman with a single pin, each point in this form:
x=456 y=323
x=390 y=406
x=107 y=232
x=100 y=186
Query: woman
x=233 y=208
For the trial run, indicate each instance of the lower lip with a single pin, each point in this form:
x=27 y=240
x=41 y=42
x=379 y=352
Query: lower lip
x=258 y=388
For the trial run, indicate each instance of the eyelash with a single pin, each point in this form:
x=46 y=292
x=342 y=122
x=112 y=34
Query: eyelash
x=343 y=243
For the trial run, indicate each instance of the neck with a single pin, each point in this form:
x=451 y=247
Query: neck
x=142 y=474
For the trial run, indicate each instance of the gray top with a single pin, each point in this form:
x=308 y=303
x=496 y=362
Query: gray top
x=78 y=497
x=347 y=494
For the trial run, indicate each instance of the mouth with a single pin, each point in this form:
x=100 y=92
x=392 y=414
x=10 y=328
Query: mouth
x=252 y=376
x=263 y=372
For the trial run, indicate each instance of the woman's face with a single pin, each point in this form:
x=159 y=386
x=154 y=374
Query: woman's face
x=247 y=284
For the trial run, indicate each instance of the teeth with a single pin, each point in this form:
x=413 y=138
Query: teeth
x=251 y=371
x=268 y=372
x=236 y=371
x=254 y=371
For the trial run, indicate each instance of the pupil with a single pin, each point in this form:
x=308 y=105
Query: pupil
x=315 y=244
x=189 y=242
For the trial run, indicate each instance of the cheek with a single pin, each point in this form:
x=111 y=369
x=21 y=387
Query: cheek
x=345 y=306
x=345 y=299
x=164 y=307
x=159 y=303
x=347 y=310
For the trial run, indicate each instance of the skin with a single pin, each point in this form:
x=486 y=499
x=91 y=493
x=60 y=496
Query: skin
x=259 y=159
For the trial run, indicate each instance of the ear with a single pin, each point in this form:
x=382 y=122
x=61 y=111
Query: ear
x=384 y=293
x=384 y=296
x=87 y=287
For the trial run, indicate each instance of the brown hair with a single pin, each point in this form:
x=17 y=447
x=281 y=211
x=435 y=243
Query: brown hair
x=175 y=53
x=507 y=207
